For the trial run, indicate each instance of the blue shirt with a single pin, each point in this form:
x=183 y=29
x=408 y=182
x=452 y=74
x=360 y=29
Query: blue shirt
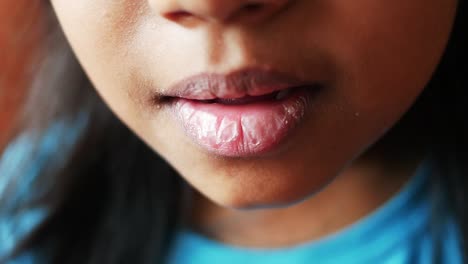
x=20 y=164
x=400 y=231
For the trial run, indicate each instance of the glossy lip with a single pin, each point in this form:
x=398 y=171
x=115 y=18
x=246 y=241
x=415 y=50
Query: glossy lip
x=237 y=84
x=247 y=130
x=250 y=127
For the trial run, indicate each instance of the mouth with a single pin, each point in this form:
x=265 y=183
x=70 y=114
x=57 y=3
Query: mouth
x=240 y=121
x=249 y=99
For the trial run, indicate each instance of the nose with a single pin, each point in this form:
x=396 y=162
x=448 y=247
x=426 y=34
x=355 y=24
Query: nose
x=218 y=11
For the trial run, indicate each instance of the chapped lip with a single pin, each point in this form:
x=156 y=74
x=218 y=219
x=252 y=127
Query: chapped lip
x=237 y=84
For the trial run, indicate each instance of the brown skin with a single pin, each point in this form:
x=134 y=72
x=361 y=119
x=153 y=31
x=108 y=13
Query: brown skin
x=373 y=57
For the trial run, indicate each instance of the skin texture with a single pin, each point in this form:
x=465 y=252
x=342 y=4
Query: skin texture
x=372 y=57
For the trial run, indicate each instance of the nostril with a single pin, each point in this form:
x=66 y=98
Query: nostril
x=253 y=7
x=191 y=13
x=177 y=15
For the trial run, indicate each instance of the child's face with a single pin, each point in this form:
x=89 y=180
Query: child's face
x=370 y=59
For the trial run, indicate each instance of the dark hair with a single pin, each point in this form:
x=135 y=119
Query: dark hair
x=113 y=200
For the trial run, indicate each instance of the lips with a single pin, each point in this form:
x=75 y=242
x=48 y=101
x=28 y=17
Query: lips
x=278 y=95
x=238 y=84
x=246 y=113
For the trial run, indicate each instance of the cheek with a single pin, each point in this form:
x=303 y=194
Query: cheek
x=388 y=51
x=100 y=33
x=385 y=53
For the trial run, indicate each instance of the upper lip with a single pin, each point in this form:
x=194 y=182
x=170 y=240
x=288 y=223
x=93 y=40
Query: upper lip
x=236 y=84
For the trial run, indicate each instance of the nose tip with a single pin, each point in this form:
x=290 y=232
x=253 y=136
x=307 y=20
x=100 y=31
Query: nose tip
x=219 y=11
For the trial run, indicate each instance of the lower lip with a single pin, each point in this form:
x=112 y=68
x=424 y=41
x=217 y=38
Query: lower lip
x=242 y=130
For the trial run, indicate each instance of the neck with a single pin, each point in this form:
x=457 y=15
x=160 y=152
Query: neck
x=355 y=193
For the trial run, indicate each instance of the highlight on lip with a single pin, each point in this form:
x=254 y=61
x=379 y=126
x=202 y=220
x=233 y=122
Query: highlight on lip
x=238 y=130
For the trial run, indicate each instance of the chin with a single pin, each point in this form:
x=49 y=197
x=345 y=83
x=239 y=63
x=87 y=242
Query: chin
x=257 y=199
x=270 y=190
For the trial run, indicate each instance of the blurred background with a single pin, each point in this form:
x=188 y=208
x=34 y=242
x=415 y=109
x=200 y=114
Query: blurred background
x=21 y=28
